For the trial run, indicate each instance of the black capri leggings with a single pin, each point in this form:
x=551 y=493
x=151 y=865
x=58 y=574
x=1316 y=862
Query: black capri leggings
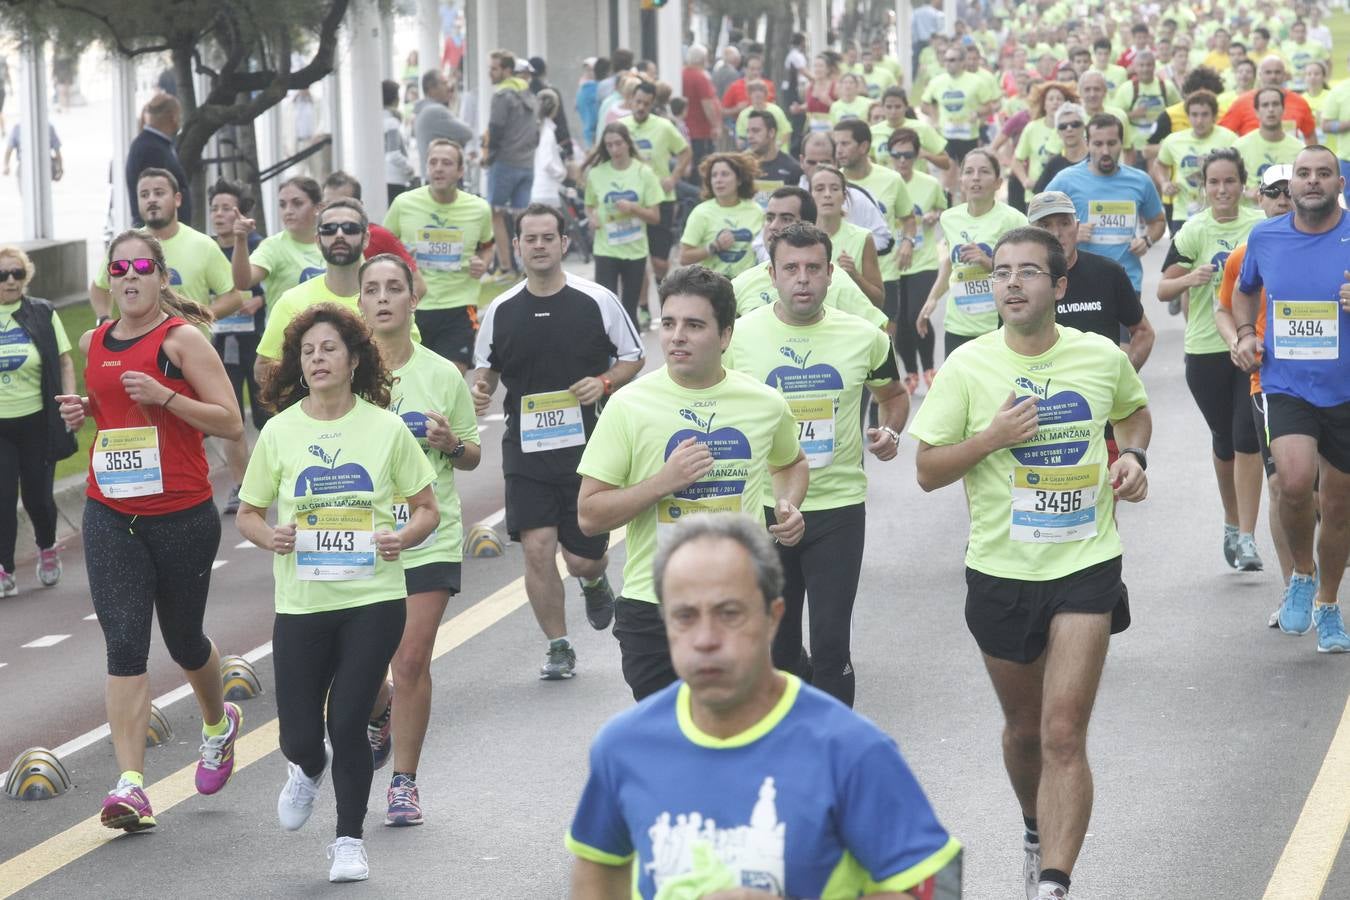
x=823 y=571
x=24 y=470
x=140 y=565
x=1221 y=390
x=609 y=272
x=341 y=656
x=238 y=352
x=914 y=351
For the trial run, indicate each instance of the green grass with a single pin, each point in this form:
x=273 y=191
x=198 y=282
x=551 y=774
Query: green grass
x=1340 y=43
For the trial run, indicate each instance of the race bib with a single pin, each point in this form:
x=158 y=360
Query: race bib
x=815 y=429
x=1054 y=504
x=335 y=543
x=550 y=421
x=1307 y=329
x=671 y=510
x=402 y=513
x=818 y=121
x=958 y=131
x=624 y=231
x=440 y=249
x=1112 y=221
x=973 y=292
x=240 y=323
x=126 y=462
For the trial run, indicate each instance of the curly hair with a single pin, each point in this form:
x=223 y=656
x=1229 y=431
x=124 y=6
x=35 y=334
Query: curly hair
x=1067 y=90
x=371 y=381
x=170 y=300
x=744 y=165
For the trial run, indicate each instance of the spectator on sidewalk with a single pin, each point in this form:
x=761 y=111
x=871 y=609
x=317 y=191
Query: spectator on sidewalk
x=508 y=150
x=153 y=148
x=704 y=116
x=398 y=170
x=432 y=116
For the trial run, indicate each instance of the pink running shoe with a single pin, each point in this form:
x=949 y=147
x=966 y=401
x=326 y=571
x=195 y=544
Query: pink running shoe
x=217 y=762
x=49 y=567
x=126 y=807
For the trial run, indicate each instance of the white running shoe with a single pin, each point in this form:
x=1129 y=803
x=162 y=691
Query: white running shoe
x=296 y=801
x=1031 y=868
x=349 y=860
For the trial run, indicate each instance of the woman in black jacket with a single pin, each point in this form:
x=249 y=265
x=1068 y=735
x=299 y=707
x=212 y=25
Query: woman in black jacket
x=35 y=366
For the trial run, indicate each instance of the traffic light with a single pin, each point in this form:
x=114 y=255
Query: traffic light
x=654 y=4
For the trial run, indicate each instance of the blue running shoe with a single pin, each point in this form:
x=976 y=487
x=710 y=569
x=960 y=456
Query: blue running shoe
x=379 y=733
x=1230 y=545
x=405 y=807
x=1296 y=610
x=1331 y=636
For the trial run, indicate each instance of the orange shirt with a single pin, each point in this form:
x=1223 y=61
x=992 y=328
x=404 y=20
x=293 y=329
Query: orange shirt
x=1241 y=117
x=1231 y=269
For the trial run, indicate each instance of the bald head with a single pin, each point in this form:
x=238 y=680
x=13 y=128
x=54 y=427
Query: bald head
x=1271 y=72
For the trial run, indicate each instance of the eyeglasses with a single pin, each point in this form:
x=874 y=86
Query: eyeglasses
x=1069 y=126
x=143 y=265
x=1271 y=193
x=351 y=229
x=903 y=154
x=16 y=274
x=1023 y=273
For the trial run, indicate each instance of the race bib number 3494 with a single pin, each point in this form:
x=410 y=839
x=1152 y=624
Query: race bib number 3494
x=1307 y=329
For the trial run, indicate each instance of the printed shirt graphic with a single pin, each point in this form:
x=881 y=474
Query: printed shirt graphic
x=658 y=142
x=288 y=263
x=198 y=268
x=891 y=194
x=21 y=364
x=1183 y=152
x=928 y=196
x=1082 y=382
x=747 y=425
x=442 y=237
x=1092 y=194
x=617 y=235
x=1037 y=143
x=754 y=288
x=828 y=361
x=429 y=382
x=970 y=294
x=1204 y=241
x=710 y=218
x=812 y=801
x=350 y=466
x=958 y=103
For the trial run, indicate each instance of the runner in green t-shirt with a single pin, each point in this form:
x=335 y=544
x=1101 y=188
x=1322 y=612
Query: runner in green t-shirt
x=289 y=256
x=852 y=248
x=432 y=400
x=664 y=148
x=917 y=280
x=1176 y=170
x=932 y=146
x=1268 y=145
x=853 y=101
x=958 y=101
x=623 y=198
x=1019 y=416
x=690 y=438
x=333 y=462
x=819 y=359
x=1143 y=97
x=720 y=231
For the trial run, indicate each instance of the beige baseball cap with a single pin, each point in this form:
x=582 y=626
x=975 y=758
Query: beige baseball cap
x=1047 y=203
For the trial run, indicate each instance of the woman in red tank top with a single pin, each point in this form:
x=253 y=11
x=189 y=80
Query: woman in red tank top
x=150 y=528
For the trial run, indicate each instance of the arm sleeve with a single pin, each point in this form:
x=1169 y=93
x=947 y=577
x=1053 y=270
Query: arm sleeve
x=696 y=228
x=1231 y=267
x=1129 y=308
x=608 y=456
x=881 y=360
x=599 y=832
x=1151 y=204
x=1183 y=249
x=485 y=238
x=263 y=475
x=1249 y=279
x=62 y=339
x=273 y=336
x=1162 y=127
x=261 y=255
x=410 y=467
x=652 y=195
x=623 y=337
x=1130 y=394
x=219 y=279
x=463 y=421
x=786 y=448
x=942 y=416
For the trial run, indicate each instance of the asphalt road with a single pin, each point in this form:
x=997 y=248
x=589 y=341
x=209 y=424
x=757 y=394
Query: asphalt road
x=1209 y=732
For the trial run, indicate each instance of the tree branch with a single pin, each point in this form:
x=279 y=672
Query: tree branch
x=106 y=22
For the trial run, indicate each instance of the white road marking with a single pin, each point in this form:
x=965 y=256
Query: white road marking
x=2 y=665
x=218 y=563
x=243 y=545
x=92 y=617
x=47 y=640
x=496 y=518
x=495 y=417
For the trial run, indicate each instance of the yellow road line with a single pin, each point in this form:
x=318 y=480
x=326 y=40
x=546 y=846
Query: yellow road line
x=1307 y=860
x=88 y=835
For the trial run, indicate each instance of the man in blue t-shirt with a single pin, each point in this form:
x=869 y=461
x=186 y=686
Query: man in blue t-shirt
x=1303 y=262
x=740 y=776
x=1112 y=200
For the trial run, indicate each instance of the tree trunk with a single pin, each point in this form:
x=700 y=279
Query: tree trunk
x=191 y=161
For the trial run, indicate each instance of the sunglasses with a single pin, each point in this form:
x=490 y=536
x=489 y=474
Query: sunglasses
x=1069 y=126
x=16 y=274
x=351 y=229
x=143 y=266
x=1273 y=192
x=903 y=154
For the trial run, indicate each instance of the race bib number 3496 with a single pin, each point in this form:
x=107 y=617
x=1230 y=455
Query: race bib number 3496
x=1054 y=504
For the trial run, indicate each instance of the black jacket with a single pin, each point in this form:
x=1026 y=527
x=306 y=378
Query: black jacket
x=35 y=316
x=149 y=150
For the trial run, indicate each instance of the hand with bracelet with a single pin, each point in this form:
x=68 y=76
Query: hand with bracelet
x=1246 y=350
x=145 y=390
x=883 y=442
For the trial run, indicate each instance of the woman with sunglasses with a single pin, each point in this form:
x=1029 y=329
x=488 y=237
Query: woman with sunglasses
x=853 y=250
x=150 y=529
x=914 y=352
x=335 y=461
x=1071 y=124
x=433 y=400
x=36 y=366
x=1195 y=262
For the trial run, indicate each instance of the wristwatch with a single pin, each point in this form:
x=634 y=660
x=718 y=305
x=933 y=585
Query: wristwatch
x=458 y=451
x=1139 y=454
x=895 y=435
x=608 y=383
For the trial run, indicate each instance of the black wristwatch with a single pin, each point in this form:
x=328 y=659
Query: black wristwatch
x=457 y=452
x=1139 y=454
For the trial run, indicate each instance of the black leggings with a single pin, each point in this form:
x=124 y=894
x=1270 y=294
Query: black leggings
x=24 y=470
x=239 y=352
x=139 y=565
x=914 y=351
x=609 y=272
x=341 y=656
x=822 y=571
x=1222 y=392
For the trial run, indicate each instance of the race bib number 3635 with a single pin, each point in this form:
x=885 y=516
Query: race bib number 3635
x=1054 y=504
x=125 y=462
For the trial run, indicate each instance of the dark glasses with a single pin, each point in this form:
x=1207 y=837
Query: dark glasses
x=1069 y=126
x=903 y=154
x=142 y=264
x=351 y=229
x=16 y=274
x=1273 y=192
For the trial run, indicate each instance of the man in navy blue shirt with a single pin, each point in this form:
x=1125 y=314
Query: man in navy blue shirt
x=153 y=149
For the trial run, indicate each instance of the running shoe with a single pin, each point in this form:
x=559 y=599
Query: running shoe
x=127 y=808
x=1274 y=620
x=599 y=603
x=405 y=807
x=560 y=663
x=8 y=588
x=1331 y=636
x=49 y=566
x=912 y=383
x=1230 y=545
x=349 y=860
x=232 y=504
x=296 y=801
x=217 y=762
x=1297 y=609
x=1049 y=891
x=379 y=733
x=1031 y=868
x=928 y=376
x=1248 y=560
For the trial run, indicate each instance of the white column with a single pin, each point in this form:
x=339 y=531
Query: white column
x=483 y=27
x=267 y=138
x=904 y=52
x=364 y=132
x=536 y=28
x=390 y=69
x=123 y=111
x=428 y=37
x=669 y=46
x=626 y=25
x=817 y=26
x=949 y=15
x=35 y=147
